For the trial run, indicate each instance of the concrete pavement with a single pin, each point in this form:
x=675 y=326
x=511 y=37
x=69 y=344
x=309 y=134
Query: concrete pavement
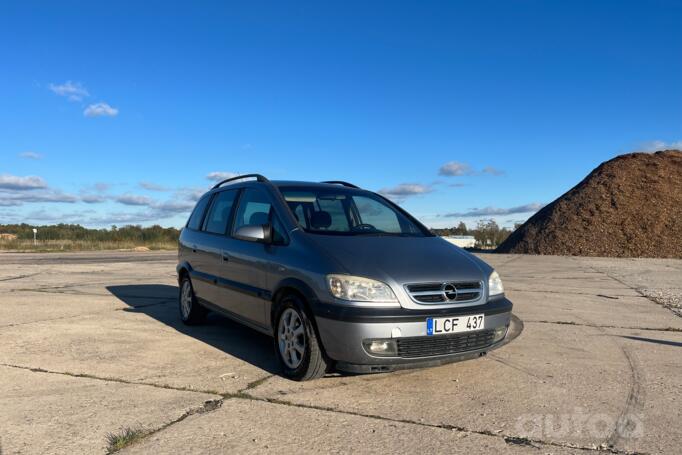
x=92 y=344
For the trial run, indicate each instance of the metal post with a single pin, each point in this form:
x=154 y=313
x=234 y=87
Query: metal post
x=35 y=232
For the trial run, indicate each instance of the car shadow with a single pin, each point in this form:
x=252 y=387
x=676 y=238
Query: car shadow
x=653 y=340
x=159 y=301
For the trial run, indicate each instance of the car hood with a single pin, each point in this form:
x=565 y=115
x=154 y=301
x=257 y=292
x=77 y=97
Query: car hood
x=403 y=260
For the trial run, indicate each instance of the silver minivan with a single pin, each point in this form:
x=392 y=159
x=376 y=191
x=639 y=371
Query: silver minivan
x=339 y=276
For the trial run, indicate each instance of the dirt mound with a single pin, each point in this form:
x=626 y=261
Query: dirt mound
x=630 y=206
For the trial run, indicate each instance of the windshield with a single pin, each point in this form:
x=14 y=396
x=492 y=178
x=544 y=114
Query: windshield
x=347 y=212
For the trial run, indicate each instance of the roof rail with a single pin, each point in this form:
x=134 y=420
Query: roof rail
x=258 y=177
x=341 y=182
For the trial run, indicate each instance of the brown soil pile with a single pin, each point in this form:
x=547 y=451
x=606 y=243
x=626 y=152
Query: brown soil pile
x=630 y=206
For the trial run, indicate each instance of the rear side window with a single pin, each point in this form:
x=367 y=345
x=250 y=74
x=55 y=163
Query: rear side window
x=198 y=214
x=219 y=213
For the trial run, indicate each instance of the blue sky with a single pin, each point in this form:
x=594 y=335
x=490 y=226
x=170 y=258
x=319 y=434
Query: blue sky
x=119 y=113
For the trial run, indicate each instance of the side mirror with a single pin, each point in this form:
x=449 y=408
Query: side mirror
x=261 y=233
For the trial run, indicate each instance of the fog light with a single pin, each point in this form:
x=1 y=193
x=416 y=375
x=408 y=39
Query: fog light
x=500 y=333
x=381 y=347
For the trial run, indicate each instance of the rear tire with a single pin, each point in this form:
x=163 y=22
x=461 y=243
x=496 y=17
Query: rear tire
x=191 y=311
x=296 y=345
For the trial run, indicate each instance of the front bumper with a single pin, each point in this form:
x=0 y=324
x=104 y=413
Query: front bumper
x=342 y=330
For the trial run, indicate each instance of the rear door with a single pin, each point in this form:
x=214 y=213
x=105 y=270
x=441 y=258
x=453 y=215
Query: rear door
x=214 y=243
x=190 y=246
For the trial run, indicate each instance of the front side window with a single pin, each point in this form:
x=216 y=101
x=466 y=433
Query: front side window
x=347 y=212
x=255 y=209
x=219 y=213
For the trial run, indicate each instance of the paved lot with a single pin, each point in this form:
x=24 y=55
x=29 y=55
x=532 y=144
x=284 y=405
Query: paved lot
x=91 y=344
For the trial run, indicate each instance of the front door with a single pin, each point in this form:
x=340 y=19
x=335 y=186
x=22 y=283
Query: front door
x=246 y=265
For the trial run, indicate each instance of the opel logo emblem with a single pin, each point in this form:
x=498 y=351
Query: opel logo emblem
x=449 y=291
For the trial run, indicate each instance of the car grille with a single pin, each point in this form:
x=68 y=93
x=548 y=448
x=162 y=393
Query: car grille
x=427 y=346
x=433 y=292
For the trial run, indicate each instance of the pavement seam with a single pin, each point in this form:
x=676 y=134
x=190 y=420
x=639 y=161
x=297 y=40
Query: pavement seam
x=126 y=309
x=110 y=379
x=659 y=329
x=508 y=439
x=206 y=407
x=18 y=277
x=637 y=290
x=538 y=291
x=212 y=405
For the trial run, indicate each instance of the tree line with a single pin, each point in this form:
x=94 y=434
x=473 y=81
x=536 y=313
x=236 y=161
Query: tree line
x=138 y=234
x=488 y=233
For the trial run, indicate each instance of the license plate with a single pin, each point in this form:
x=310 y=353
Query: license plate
x=443 y=326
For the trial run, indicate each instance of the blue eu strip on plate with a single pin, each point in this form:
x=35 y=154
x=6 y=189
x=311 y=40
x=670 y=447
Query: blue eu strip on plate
x=429 y=326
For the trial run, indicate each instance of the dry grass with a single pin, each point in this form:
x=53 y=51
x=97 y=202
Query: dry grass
x=123 y=438
x=47 y=246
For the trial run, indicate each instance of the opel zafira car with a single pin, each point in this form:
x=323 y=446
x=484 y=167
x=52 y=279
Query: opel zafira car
x=339 y=276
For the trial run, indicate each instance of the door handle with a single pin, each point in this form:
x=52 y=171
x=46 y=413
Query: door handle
x=224 y=257
x=194 y=248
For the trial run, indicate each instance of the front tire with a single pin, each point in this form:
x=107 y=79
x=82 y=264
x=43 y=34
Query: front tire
x=296 y=345
x=191 y=311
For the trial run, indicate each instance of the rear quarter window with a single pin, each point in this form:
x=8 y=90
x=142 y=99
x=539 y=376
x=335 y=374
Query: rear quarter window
x=197 y=215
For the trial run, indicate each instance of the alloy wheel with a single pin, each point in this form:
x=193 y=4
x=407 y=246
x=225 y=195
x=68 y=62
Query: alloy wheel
x=291 y=338
x=186 y=299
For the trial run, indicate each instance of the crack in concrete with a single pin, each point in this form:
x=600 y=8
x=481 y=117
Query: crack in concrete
x=126 y=309
x=50 y=319
x=110 y=379
x=212 y=405
x=208 y=406
x=508 y=439
x=637 y=290
x=253 y=384
x=573 y=293
x=657 y=329
x=18 y=277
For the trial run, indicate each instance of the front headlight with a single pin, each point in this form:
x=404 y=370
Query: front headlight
x=358 y=289
x=495 y=285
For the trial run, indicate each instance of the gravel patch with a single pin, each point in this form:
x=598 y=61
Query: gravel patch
x=671 y=299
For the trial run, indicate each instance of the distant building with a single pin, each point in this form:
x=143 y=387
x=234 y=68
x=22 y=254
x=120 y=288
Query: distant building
x=462 y=241
x=5 y=236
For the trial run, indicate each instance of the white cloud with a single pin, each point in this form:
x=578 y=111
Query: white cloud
x=455 y=169
x=217 y=176
x=100 y=110
x=93 y=198
x=406 y=189
x=17 y=198
x=72 y=91
x=492 y=171
x=656 y=146
x=31 y=155
x=493 y=211
x=133 y=199
x=14 y=182
x=153 y=186
x=172 y=207
x=189 y=194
